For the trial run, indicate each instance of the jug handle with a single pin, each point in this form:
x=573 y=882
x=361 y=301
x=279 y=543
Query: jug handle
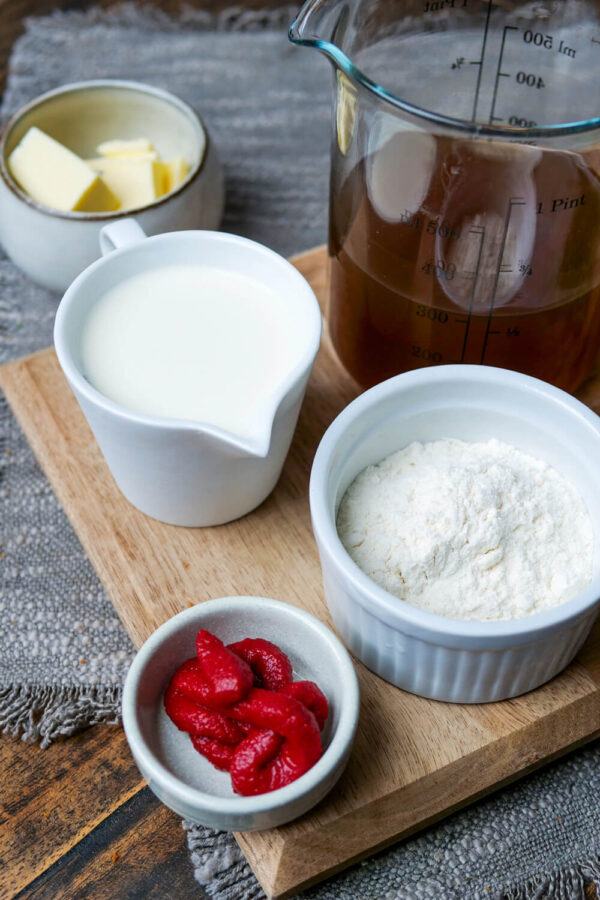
x=120 y=234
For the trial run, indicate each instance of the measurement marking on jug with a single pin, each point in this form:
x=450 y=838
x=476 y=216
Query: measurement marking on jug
x=434 y=315
x=439 y=5
x=480 y=73
x=478 y=230
x=546 y=41
x=443 y=229
x=522 y=122
x=440 y=269
x=560 y=204
x=426 y=354
x=530 y=79
x=499 y=73
x=538 y=39
x=567 y=51
x=514 y=201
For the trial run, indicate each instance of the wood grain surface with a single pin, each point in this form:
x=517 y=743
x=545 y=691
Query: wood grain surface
x=77 y=821
x=415 y=760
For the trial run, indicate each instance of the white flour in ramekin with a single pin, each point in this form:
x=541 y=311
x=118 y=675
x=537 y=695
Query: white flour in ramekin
x=469 y=530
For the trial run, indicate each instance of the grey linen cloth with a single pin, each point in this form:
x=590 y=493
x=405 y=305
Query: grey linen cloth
x=64 y=654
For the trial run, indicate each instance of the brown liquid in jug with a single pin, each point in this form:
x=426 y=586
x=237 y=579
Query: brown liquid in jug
x=496 y=261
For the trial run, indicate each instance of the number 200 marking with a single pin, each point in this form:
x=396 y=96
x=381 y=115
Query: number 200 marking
x=426 y=355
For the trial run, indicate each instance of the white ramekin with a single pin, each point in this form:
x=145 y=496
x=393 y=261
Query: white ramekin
x=435 y=656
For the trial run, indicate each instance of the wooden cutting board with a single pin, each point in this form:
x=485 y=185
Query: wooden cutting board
x=415 y=760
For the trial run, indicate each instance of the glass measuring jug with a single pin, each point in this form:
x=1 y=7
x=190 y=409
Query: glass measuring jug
x=464 y=220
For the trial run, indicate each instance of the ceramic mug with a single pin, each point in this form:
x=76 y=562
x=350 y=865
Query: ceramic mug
x=179 y=471
x=53 y=247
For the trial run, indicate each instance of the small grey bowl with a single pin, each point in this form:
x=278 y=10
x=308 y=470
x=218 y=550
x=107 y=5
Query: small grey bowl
x=179 y=776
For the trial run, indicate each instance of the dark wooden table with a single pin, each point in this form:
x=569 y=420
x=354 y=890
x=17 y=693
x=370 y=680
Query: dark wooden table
x=77 y=822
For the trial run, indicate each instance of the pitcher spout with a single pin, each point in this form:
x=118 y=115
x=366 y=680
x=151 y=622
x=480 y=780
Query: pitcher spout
x=253 y=444
x=318 y=25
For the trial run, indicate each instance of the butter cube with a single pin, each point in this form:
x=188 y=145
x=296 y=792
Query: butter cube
x=173 y=172
x=136 y=182
x=137 y=147
x=56 y=177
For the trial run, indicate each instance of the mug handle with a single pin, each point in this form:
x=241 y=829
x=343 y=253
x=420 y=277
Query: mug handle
x=120 y=234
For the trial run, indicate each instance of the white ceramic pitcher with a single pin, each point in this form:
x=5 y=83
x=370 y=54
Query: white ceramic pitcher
x=179 y=471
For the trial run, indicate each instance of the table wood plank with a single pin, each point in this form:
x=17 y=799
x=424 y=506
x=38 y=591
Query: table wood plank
x=77 y=820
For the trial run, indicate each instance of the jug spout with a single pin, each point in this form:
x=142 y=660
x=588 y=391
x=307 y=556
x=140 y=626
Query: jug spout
x=317 y=25
x=254 y=443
